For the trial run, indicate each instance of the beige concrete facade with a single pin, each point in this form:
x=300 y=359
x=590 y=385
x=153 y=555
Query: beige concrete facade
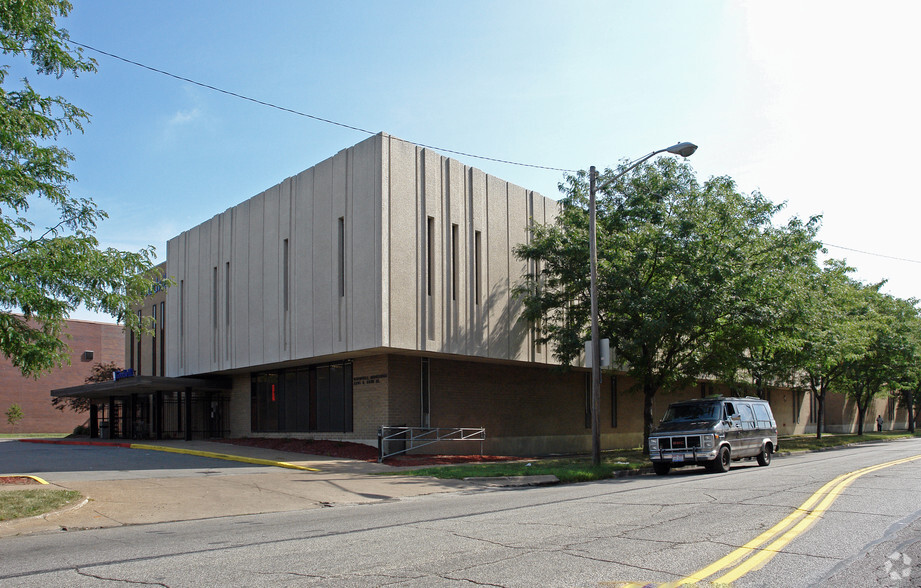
x=386 y=245
x=399 y=264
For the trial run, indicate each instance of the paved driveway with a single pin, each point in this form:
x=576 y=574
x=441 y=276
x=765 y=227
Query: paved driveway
x=64 y=463
x=137 y=486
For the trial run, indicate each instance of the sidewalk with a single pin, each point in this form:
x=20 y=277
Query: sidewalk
x=318 y=482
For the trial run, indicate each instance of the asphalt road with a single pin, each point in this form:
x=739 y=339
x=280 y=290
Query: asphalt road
x=644 y=529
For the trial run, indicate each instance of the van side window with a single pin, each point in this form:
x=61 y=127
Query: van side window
x=748 y=418
x=728 y=410
x=762 y=416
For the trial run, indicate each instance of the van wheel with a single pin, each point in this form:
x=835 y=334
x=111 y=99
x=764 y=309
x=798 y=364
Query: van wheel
x=764 y=458
x=661 y=468
x=721 y=463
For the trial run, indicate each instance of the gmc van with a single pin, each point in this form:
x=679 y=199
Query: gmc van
x=713 y=432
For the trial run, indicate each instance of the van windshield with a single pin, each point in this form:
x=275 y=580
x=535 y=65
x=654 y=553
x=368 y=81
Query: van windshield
x=709 y=411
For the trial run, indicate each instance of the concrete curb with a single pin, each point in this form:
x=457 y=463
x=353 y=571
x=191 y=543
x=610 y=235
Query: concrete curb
x=514 y=481
x=224 y=456
x=36 y=478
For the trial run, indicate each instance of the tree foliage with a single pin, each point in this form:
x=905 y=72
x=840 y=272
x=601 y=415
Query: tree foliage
x=831 y=333
x=13 y=415
x=688 y=273
x=101 y=372
x=889 y=363
x=47 y=272
x=909 y=383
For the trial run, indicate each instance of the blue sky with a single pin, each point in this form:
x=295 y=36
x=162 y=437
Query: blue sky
x=812 y=103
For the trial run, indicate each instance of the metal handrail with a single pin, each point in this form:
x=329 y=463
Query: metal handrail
x=417 y=437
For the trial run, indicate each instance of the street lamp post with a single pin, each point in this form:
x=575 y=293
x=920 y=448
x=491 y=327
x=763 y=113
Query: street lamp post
x=684 y=149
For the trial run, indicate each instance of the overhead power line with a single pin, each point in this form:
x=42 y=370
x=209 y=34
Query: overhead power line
x=311 y=116
x=361 y=130
x=871 y=253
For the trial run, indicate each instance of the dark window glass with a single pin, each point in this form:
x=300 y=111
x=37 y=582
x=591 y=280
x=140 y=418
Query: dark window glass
x=614 y=401
x=323 y=399
x=302 y=409
x=477 y=255
x=455 y=258
x=426 y=393
x=153 y=342
x=162 y=338
x=336 y=399
x=303 y=400
x=430 y=256
x=341 y=261
x=138 y=372
x=292 y=398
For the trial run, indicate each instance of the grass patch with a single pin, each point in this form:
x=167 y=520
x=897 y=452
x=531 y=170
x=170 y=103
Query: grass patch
x=810 y=443
x=567 y=469
x=579 y=468
x=15 y=504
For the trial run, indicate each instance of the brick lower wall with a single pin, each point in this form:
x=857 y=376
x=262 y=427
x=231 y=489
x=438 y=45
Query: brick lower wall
x=526 y=409
x=404 y=391
x=106 y=341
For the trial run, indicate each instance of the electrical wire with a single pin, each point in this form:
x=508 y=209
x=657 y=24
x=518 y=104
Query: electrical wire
x=871 y=253
x=361 y=130
x=311 y=116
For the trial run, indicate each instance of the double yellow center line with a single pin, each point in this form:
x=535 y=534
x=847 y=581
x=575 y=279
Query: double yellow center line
x=765 y=546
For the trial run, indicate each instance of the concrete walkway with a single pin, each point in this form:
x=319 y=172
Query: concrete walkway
x=279 y=481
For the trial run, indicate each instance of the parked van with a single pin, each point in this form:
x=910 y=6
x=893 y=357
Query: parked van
x=712 y=432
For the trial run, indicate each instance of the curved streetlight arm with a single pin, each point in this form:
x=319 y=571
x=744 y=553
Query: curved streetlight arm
x=684 y=149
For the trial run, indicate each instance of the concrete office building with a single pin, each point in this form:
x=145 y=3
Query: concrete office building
x=373 y=289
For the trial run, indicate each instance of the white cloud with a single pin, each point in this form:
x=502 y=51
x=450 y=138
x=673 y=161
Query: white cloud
x=184 y=117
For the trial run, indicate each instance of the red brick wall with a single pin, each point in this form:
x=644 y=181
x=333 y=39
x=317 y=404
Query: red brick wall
x=106 y=341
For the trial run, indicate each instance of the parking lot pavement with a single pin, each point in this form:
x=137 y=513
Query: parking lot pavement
x=124 y=486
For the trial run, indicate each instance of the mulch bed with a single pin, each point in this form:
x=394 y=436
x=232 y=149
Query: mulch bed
x=17 y=480
x=359 y=451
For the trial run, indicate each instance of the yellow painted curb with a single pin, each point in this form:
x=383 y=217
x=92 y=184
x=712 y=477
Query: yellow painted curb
x=252 y=460
x=36 y=478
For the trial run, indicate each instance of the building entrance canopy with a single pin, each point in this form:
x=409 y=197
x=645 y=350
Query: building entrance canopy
x=154 y=406
x=140 y=385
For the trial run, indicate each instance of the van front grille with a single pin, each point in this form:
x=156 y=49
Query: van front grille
x=679 y=443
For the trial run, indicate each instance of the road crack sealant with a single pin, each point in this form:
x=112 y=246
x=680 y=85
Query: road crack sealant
x=125 y=580
x=443 y=577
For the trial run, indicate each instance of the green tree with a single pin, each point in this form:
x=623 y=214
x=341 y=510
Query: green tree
x=101 y=372
x=14 y=414
x=683 y=271
x=831 y=333
x=766 y=355
x=47 y=272
x=880 y=366
x=907 y=383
